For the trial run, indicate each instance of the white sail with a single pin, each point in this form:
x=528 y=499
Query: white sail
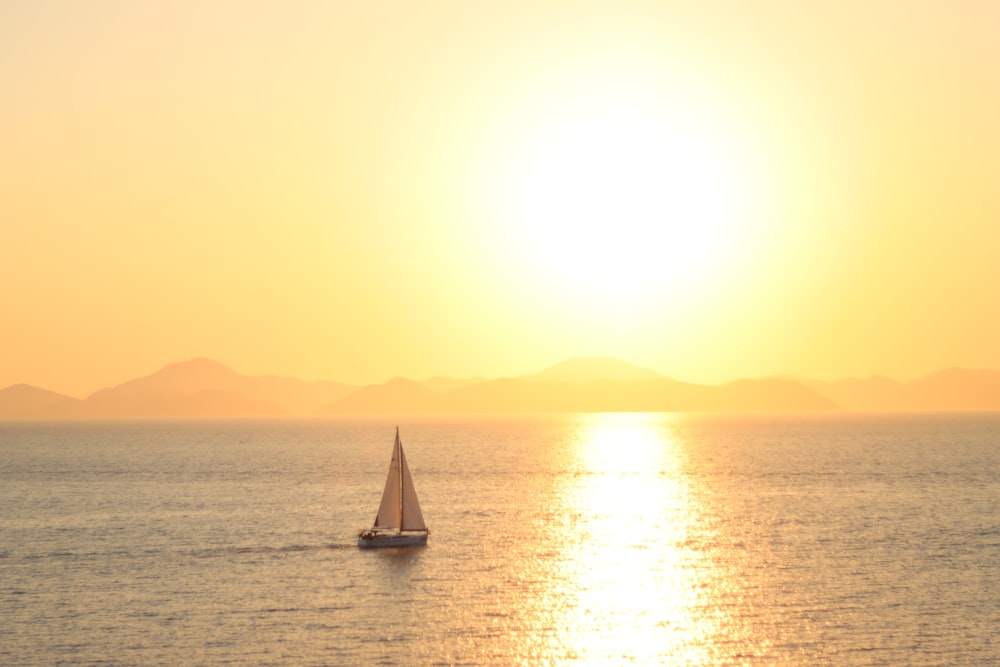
x=412 y=519
x=399 y=509
x=390 y=511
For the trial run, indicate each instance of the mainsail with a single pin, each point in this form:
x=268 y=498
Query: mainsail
x=399 y=509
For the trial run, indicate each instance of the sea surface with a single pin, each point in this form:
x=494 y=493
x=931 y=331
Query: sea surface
x=601 y=539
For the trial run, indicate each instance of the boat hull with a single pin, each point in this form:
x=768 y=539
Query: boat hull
x=368 y=540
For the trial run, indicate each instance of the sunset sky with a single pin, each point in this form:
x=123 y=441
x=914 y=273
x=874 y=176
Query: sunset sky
x=358 y=190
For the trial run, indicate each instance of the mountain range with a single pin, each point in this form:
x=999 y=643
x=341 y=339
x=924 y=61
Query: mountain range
x=205 y=388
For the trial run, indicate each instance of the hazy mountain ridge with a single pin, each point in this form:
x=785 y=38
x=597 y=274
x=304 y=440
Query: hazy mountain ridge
x=588 y=369
x=24 y=400
x=205 y=388
x=194 y=388
x=950 y=389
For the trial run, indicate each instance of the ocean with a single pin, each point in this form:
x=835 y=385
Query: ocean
x=591 y=539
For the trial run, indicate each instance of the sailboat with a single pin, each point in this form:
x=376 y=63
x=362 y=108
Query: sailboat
x=399 y=522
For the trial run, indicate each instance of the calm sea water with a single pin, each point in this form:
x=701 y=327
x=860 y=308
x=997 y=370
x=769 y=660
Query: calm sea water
x=564 y=540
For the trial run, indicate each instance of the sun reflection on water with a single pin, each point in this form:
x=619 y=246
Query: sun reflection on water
x=625 y=586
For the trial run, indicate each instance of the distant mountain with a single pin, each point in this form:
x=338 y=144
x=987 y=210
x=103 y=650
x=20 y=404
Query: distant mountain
x=770 y=394
x=25 y=401
x=441 y=385
x=195 y=388
x=397 y=396
x=874 y=393
x=168 y=392
x=205 y=388
x=956 y=389
x=199 y=403
x=296 y=396
x=589 y=369
x=172 y=390
x=952 y=389
x=519 y=395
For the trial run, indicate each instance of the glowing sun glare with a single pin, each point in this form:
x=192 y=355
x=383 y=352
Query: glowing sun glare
x=626 y=198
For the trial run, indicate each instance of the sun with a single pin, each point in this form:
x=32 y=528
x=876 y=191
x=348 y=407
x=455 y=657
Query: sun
x=620 y=196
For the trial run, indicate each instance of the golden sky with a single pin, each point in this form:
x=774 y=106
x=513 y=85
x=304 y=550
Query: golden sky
x=358 y=190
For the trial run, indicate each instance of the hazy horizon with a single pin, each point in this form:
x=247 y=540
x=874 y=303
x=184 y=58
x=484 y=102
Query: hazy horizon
x=354 y=192
x=439 y=376
x=206 y=388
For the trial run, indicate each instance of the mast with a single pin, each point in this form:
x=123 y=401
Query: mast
x=399 y=452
